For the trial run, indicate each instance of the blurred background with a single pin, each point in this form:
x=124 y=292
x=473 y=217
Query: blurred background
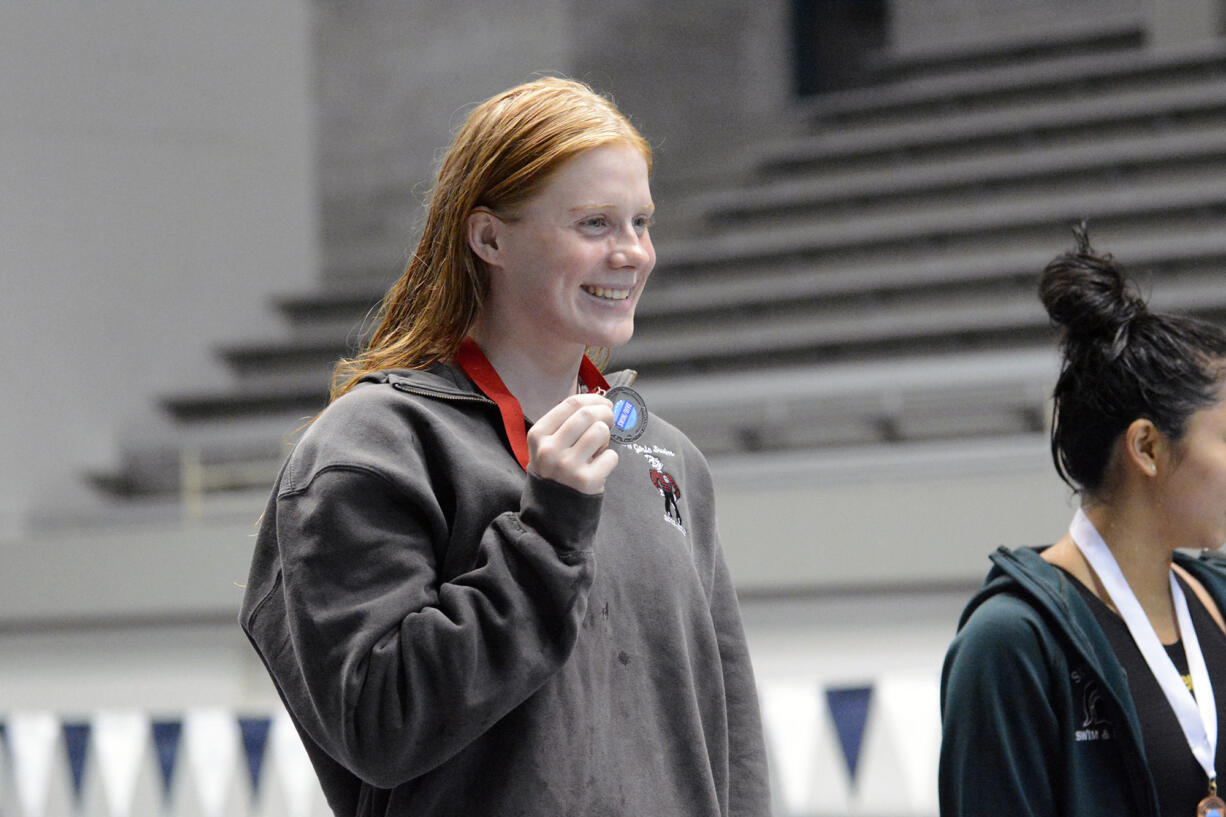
x=201 y=201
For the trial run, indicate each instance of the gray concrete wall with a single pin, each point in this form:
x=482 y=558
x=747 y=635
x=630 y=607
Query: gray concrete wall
x=395 y=79
x=925 y=27
x=699 y=78
x=1182 y=23
x=157 y=167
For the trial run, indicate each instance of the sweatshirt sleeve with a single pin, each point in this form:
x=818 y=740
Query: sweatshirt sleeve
x=1000 y=734
x=748 y=778
x=388 y=668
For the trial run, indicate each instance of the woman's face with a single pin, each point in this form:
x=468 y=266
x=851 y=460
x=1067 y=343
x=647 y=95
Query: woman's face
x=1193 y=487
x=570 y=264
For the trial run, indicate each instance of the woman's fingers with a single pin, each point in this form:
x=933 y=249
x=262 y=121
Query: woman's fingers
x=570 y=444
x=559 y=414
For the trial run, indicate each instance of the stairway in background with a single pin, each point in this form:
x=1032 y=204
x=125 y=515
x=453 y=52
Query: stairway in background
x=866 y=278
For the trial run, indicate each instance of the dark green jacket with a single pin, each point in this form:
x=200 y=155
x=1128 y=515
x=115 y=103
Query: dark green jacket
x=1037 y=718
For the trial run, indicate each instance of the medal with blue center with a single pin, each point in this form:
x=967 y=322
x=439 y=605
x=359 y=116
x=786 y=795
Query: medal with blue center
x=629 y=414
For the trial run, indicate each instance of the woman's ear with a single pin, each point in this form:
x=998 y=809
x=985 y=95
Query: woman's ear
x=484 y=230
x=1145 y=447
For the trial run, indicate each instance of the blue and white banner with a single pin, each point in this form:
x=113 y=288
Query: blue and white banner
x=835 y=749
x=846 y=749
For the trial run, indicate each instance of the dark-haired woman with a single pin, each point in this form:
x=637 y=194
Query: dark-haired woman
x=1089 y=677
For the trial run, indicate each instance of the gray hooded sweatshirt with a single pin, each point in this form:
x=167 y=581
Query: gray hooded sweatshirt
x=452 y=636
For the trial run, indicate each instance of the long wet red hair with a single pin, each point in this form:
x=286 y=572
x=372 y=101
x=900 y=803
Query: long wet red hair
x=503 y=154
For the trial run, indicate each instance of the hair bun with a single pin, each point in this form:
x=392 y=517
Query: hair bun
x=1087 y=294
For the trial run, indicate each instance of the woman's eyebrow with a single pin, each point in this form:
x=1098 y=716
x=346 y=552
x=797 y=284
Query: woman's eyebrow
x=651 y=208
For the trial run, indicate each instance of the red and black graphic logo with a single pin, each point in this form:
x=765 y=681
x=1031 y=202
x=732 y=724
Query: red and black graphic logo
x=665 y=483
x=670 y=490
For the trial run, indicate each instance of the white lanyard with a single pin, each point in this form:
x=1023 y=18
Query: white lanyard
x=1197 y=714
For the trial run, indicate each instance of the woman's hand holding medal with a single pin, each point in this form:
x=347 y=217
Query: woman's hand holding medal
x=570 y=443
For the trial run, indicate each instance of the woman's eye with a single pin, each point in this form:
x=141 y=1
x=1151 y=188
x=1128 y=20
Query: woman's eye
x=643 y=222
x=595 y=222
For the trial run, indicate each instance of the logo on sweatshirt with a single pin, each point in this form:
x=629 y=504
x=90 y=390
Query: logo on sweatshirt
x=665 y=484
x=1094 y=725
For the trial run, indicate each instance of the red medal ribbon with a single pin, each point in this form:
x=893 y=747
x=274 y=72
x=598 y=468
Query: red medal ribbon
x=478 y=367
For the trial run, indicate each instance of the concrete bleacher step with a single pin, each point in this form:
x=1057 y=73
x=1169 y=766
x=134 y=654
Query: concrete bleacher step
x=187 y=477
x=329 y=314
x=1141 y=158
x=217 y=456
x=1075 y=119
x=1117 y=34
x=1070 y=73
x=807 y=334
x=1172 y=255
x=271 y=402
x=830 y=404
x=1004 y=223
x=296 y=365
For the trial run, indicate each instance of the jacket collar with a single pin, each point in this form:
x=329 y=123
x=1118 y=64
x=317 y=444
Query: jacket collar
x=1024 y=573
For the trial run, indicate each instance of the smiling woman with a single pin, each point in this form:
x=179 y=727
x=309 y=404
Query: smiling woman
x=509 y=148
x=565 y=269
x=464 y=587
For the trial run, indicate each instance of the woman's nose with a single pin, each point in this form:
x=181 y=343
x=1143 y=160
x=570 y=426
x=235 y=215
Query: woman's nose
x=631 y=248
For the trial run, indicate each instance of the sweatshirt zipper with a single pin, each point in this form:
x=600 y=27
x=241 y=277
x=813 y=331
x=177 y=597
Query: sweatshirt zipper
x=442 y=395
